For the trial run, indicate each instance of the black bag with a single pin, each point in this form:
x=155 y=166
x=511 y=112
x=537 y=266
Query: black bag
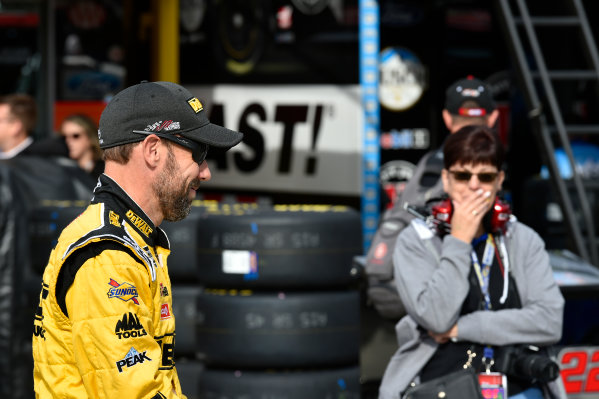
x=462 y=384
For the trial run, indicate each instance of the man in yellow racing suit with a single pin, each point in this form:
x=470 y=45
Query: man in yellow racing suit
x=105 y=326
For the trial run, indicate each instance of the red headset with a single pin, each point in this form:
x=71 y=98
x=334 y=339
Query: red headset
x=497 y=221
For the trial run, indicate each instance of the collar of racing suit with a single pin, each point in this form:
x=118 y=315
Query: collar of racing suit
x=109 y=192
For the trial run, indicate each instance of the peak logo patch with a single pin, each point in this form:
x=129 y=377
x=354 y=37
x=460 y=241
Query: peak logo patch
x=131 y=359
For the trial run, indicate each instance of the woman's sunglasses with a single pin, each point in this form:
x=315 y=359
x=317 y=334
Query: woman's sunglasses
x=464 y=176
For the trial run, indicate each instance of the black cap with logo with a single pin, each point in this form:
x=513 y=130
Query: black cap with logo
x=469 y=89
x=163 y=108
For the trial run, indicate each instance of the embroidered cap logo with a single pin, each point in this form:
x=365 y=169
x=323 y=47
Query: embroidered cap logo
x=195 y=104
x=471 y=92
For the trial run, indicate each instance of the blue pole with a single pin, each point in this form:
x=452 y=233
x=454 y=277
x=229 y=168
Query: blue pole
x=369 y=78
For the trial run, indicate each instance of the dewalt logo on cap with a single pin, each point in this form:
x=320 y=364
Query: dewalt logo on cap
x=195 y=104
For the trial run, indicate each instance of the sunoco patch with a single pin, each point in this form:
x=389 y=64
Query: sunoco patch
x=125 y=292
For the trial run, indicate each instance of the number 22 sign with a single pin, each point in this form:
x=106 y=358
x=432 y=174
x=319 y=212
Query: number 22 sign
x=580 y=369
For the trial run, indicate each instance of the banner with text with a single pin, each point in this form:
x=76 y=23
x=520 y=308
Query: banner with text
x=297 y=138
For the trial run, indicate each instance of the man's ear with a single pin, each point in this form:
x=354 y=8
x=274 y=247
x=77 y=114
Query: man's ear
x=151 y=150
x=448 y=119
x=492 y=118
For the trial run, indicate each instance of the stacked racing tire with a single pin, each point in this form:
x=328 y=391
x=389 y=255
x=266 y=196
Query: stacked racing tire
x=267 y=300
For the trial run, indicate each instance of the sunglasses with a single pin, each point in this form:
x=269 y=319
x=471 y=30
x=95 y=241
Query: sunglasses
x=198 y=150
x=464 y=176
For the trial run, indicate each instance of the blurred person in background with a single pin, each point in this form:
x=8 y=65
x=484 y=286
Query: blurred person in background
x=81 y=136
x=468 y=102
x=18 y=117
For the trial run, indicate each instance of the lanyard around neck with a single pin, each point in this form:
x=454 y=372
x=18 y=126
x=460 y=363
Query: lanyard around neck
x=483 y=272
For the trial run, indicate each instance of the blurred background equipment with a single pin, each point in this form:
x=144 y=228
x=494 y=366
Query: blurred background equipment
x=26 y=238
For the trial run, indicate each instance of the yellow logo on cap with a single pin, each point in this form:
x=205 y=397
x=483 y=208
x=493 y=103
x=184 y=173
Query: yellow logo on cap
x=195 y=104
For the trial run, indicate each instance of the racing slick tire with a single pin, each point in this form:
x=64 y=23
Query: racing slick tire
x=46 y=222
x=185 y=309
x=281 y=246
x=190 y=372
x=278 y=329
x=323 y=383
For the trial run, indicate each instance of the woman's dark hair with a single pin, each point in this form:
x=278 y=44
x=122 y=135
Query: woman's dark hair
x=473 y=144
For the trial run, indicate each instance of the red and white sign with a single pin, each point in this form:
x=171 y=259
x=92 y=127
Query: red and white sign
x=165 y=312
x=580 y=371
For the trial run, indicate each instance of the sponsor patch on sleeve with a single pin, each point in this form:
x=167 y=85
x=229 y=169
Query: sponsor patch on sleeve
x=132 y=358
x=125 y=291
x=165 y=312
x=163 y=290
x=129 y=327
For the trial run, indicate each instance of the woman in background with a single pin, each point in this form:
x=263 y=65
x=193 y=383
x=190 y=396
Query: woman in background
x=478 y=289
x=81 y=135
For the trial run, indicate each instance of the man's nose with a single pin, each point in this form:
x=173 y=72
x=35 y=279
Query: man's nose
x=205 y=173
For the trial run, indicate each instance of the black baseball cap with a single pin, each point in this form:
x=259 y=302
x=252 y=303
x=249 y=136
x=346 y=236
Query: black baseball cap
x=469 y=89
x=164 y=108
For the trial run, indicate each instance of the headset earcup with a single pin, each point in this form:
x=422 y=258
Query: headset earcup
x=497 y=217
x=443 y=212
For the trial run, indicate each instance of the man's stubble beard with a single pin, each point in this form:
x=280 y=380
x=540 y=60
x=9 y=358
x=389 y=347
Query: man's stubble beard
x=172 y=191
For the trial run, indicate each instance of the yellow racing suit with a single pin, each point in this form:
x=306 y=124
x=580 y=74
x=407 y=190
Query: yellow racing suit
x=105 y=326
